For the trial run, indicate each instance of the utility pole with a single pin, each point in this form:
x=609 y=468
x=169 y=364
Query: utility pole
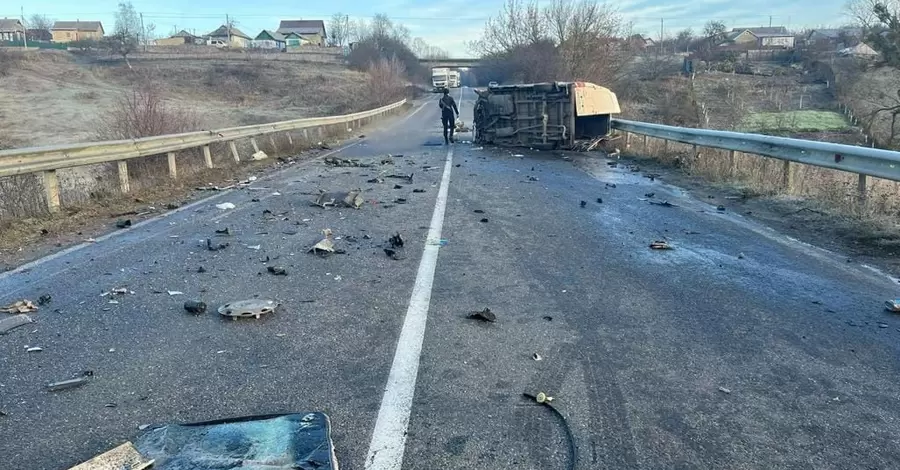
x=143 y=33
x=770 y=21
x=25 y=28
x=228 y=30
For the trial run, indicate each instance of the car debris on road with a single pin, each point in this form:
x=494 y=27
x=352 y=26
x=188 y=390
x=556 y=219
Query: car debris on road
x=345 y=162
x=247 y=308
x=21 y=306
x=893 y=305
x=485 y=315
x=215 y=247
x=395 y=250
x=10 y=323
x=195 y=306
x=660 y=245
x=352 y=199
x=125 y=223
x=277 y=270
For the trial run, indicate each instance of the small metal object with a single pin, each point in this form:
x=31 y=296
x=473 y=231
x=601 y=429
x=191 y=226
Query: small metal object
x=195 y=307
x=247 y=308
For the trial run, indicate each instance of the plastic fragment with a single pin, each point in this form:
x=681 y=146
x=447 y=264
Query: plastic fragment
x=225 y=206
x=9 y=323
x=67 y=384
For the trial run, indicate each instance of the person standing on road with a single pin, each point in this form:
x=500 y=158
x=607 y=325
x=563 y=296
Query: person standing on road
x=449 y=113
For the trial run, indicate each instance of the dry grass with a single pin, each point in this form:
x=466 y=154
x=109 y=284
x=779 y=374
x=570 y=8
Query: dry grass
x=753 y=175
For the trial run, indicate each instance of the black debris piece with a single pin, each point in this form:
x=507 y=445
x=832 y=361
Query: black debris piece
x=44 y=299
x=458 y=165
x=662 y=203
x=408 y=178
x=400 y=200
x=375 y=180
x=201 y=270
x=397 y=186
x=277 y=270
x=215 y=247
x=649 y=195
x=533 y=178
x=396 y=240
x=195 y=306
x=395 y=250
x=418 y=190
x=484 y=221
x=485 y=315
x=224 y=231
x=171 y=206
x=478 y=211
x=583 y=203
x=547 y=318
x=266 y=211
x=124 y=223
x=611 y=185
x=325 y=147
x=599 y=200
x=254 y=199
x=720 y=208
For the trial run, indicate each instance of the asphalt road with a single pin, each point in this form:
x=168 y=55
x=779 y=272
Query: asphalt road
x=739 y=348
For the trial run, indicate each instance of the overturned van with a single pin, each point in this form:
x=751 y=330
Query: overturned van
x=543 y=115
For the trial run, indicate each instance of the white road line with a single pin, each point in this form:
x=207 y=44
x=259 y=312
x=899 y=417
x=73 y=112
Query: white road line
x=389 y=436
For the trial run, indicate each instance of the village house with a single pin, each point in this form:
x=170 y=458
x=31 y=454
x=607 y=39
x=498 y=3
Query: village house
x=224 y=36
x=11 y=30
x=773 y=36
x=311 y=31
x=269 y=40
x=68 y=31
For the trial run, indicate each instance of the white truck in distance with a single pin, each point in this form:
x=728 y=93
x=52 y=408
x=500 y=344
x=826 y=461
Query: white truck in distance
x=440 y=78
x=454 y=79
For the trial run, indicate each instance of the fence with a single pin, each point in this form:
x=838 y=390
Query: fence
x=863 y=161
x=47 y=160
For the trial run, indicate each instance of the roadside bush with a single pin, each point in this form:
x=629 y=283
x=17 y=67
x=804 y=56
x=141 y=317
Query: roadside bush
x=9 y=60
x=143 y=112
x=385 y=83
x=376 y=48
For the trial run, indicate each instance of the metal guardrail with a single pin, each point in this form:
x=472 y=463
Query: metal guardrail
x=47 y=160
x=863 y=161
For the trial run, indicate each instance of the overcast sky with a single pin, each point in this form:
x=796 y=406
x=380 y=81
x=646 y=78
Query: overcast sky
x=449 y=24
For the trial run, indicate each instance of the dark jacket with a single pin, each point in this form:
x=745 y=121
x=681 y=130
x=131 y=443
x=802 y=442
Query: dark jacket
x=448 y=105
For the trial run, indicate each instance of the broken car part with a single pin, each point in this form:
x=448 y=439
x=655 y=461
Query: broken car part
x=660 y=245
x=247 y=308
x=21 y=306
x=277 y=270
x=484 y=315
x=9 y=323
x=195 y=306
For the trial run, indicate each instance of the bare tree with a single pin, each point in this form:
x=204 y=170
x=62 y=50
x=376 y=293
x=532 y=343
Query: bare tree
x=862 y=12
x=127 y=33
x=714 y=29
x=40 y=23
x=339 y=29
x=683 y=39
x=582 y=36
x=519 y=23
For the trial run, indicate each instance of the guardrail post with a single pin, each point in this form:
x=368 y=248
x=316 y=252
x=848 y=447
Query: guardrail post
x=627 y=139
x=694 y=152
x=207 y=156
x=644 y=144
x=862 y=189
x=272 y=141
x=290 y=140
x=731 y=164
x=123 y=176
x=665 y=149
x=254 y=144
x=789 y=171
x=234 y=152
x=305 y=133
x=51 y=190
x=173 y=170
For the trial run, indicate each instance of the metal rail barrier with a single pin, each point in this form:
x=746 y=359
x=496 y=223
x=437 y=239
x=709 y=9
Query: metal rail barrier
x=47 y=160
x=863 y=161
